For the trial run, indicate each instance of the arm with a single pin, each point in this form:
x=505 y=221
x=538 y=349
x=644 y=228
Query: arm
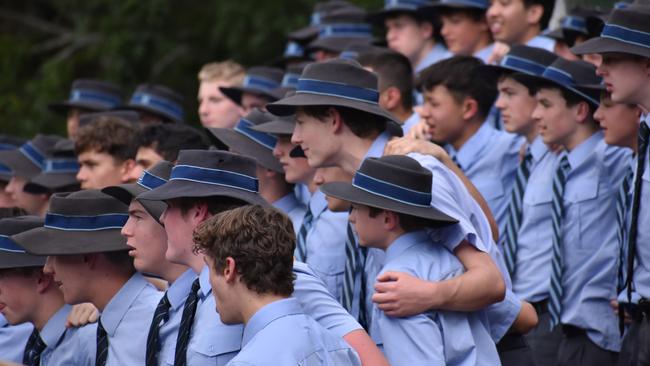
x=368 y=352
x=526 y=320
x=400 y=294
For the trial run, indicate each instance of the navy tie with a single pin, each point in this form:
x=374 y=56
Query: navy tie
x=622 y=204
x=160 y=316
x=301 y=242
x=102 y=345
x=556 y=290
x=35 y=346
x=189 y=310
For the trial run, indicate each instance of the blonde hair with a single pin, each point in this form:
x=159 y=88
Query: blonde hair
x=227 y=71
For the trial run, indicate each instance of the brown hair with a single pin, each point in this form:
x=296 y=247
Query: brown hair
x=408 y=223
x=216 y=204
x=110 y=135
x=260 y=240
x=362 y=124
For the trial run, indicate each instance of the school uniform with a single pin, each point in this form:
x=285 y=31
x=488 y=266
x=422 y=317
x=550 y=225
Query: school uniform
x=63 y=346
x=484 y=53
x=290 y=205
x=13 y=339
x=410 y=122
x=280 y=333
x=438 y=53
x=543 y=42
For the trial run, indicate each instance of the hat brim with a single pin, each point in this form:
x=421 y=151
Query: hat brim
x=235 y=93
x=530 y=81
x=304 y=35
x=64 y=107
x=19 y=164
x=241 y=144
x=287 y=106
x=608 y=45
x=52 y=182
x=179 y=189
x=20 y=260
x=348 y=192
x=46 y=241
x=128 y=192
x=337 y=45
x=147 y=109
x=276 y=127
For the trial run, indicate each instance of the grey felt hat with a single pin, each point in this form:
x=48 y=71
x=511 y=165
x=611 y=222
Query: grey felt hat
x=13 y=255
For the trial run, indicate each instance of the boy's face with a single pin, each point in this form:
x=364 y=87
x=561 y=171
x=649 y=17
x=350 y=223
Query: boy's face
x=333 y=174
x=144 y=159
x=223 y=294
x=147 y=239
x=619 y=122
x=555 y=120
x=18 y=296
x=516 y=106
x=99 y=170
x=407 y=36
x=508 y=20
x=179 y=230
x=443 y=115
x=316 y=138
x=462 y=34
x=624 y=76
x=296 y=170
x=250 y=101
x=5 y=197
x=32 y=203
x=72 y=121
x=370 y=230
x=215 y=109
x=69 y=272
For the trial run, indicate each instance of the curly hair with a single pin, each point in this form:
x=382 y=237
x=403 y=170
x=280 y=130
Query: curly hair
x=110 y=135
x=260 y=239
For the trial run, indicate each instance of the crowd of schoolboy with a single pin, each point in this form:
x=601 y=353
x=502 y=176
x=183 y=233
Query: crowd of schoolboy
x=471 y=190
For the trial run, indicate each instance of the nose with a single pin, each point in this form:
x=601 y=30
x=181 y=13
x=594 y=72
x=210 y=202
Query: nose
x=82 y=174
x=127 y=229
x=48 y=268
x=203 y=107
x=500 y=102
x=598 y=115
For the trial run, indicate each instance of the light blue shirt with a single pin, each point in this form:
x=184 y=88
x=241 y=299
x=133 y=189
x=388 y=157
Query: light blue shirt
x=74 y=346
x=326 y=243
x=489 y=159
x=13 y=339
x=542 y=42
x=589 y=247
x=280 y=333
x=436 y=338
x=535 y=238
x=410 y=122
x=437 y=53
x=290 y=205
x=642 y=269
x=485 y=53
x=168 y=331
x=127 y=318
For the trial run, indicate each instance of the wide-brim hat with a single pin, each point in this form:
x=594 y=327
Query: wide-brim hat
x=277 y=126
x=520 y=59
x=59 y=173
x=29 y=160
x=456 y=4
x=83 y=222
x=8 y=142
x=13 y=255
x=149 y=179
x=259 y=80
x=324 y=11
x=289 y=80
x=5 y=173
x=337 y=82
x=626 y=31
x=396 y=7
x=394 y=182
x=92 y=95
x=210 y=173
x=243 y=139
x=158 y=100
x=130 y=116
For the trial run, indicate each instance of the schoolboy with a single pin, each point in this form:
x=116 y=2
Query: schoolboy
x=215 y=109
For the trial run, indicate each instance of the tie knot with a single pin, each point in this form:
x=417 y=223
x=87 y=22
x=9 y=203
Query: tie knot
x=196 y=285
x=564 y=164
x=644 y=132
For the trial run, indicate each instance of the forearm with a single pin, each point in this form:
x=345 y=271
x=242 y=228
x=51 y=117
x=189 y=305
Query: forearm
x=470 y=291
x=368 y=351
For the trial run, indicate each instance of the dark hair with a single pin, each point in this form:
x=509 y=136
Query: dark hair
x=110 y=135
x=393 y=70
x=408 y=223
x=168 y=139
x=216 y=204
x=459 y=74
x=260 y=240
x=120 y=259
x=475 y=14
x=547 y=5
x=571 y=98
x=362 y=124
x=7 y=212
x=520 y=78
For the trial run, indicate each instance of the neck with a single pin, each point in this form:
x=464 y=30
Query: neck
x=356 y=149
x=531 y=134
x=108 y=284
x=48 y=304
x=391 y=236
x=471 y=128
x=173 y=271
x=530 y=33
x=482 y=43
x=583 y=133
x=196 y=263
x=252 y=303
x=401 y=113
x=424 y=51
x=273 y=189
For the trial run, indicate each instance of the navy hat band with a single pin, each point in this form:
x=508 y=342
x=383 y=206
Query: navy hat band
x=150 y=181
x=34 y=155
x=358 y=30
x=404 y=4
x=566 y=80
x=164 y=105
x=216 y=177
x=5 y=147
x=94 y=96
x=61 y=166
x=469 y=3
x=8 y=245
x=85 y=223
x=5 y=169
x=626 y=35
x=578 y=24
x=391 y=191
x=522 y=65
x=260 y=83
x=264 y=139
x=290 y=80
x=319 y=87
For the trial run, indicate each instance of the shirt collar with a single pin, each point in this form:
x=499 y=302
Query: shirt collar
x=437 y=53
x=581 y=152
x=467 y=153
x=178 y=290
x=287 y=203
x=317 y=203
x=543 y=42
x=485 y=52
x=3 y=321
x=204 y=281
x=538 y=148
x=268 y=314
x=55 y=327
x=405 y=241
x=121 y=302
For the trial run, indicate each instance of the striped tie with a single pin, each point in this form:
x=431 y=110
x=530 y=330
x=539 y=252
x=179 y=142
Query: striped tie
x=102 y=345
x=35 y=346
x=189 y=310
x=622 y=204
x=453 y=158
x=350 y=270
x=644 y=136
x=555 y=303
x=301 y=242
x=509 y=241
x=159 y=316
x=364 y=314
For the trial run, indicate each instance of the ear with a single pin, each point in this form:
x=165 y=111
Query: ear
x=534 y=14
x=469 y=108
x=268 y=173
x=230 y=270
x=583 y=112
x=90 y=260
x=199 y=213
x=335 y=120
x=426 y=30
x=44 y=282
x=126 y=169
x=391 y=220
x=390 y=98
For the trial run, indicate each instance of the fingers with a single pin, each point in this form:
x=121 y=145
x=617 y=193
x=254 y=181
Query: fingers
x=388 y=276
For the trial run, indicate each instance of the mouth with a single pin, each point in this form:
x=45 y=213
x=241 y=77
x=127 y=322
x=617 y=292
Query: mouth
x=2 y=307
x=132 y=251
x=496 y=26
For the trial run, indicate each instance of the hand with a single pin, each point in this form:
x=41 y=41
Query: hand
x=627 y=320
x=500 y=49
x=82 y=314
x=405 y=145
x=399 y=294
x=420 y=130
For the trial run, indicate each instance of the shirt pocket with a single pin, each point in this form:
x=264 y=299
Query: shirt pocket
x=329 y=267
x=587 y=236
x=217 y=341
x=537 y=206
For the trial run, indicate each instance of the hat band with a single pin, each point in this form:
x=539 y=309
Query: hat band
x=626 y=35
x=403 y=4
x=469 y=3
x=264 y=139
x=5 y=147
x=349 y=55
x=34 y=155
x=391 y=191
x=85 y=223
x=5 y=169
x=150 y=181
x=578 y=24
x=319 y=87
x=61 y=166
x=290 y=80
x=216 y=177
x=293 y=49
x=359 y=30
x=94 y=96
x=566 y=80
x=316 y=18
x=259 y=83
x=8 y=245
x=163 y=105
x=522 y=65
